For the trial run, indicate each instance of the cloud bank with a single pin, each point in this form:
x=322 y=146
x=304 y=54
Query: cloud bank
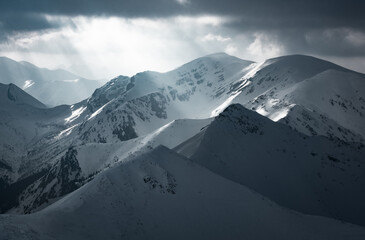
x=177 y=30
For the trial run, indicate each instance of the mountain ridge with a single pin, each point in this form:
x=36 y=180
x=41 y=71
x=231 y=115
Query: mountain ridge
x=70 y=145
x=311 y=174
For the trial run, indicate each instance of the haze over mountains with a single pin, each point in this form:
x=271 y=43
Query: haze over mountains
x=248 y=149
x=51 y=87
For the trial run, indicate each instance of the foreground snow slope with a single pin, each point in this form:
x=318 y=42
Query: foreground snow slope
x=313 y=175
x=52 y=87
x=161 y=195
x=81 y=163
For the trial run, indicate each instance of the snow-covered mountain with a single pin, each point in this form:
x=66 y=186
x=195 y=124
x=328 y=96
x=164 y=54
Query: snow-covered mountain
x=162 y=195
x=24 y=122
x=129 y=107
x=76 y=165
x=52 y=87
x=313 y=175
x=310 y=95
x=126 y=108
x=50 y=152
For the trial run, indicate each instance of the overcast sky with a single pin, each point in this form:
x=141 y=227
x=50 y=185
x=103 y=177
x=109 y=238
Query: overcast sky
x=102 y=39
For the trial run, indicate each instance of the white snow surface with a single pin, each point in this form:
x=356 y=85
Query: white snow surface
x=27 y=84
x=130 y=116
x=93 y=158
x=325 y=90
x=313 y=175
x=162 y=195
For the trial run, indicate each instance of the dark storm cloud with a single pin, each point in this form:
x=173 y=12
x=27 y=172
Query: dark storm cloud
x=267 y=14
x=326 y=42
x=24 y=16
x=302 y=26
x=11 y=23
x=259 y=13
x=128 y=8
x=325 y=28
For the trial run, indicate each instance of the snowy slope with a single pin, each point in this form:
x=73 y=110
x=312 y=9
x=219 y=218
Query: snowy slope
x=24 y=121
x=12 y=95
x=325 y=91
x=77 y=165
x=126 y=107
x=313 y=175
x=162 y=195
x=312 y=122
x=52 y=87
x=129 y=107
x=338 y=95
x=123 y=109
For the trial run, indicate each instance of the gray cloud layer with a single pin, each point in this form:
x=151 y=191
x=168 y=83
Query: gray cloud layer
x=335 y=28
x=259 y=13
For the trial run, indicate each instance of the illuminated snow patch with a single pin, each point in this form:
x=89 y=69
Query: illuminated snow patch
x=276 y=116
x=27 y=84
x=75 y=114
x=66 y=132
x=97 y=111
x=262 y=111
x=74 y=80
x=150 y=137
x=254 y=68
x=229 y=100
x=223 y=106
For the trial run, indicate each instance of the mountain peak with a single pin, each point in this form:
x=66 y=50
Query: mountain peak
x=218 y=54
x=13 y=93
x=223 y=56
x=220 y=57
x=236 y=110
x=308 y=63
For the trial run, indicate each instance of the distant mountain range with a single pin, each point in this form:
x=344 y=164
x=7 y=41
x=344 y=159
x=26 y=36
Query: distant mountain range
x=52 y=87
x=248 y=148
